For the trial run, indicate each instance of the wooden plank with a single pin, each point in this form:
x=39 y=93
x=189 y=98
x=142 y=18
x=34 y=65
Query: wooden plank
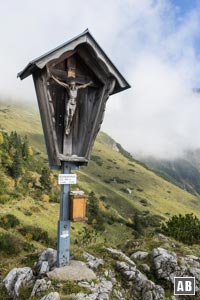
x=45 y=118
x=92 y=64
x=94 y=124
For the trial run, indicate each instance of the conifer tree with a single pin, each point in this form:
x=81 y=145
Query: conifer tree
x=93 y=212
x=25 y=149
x=16 y=167
x=45 y=179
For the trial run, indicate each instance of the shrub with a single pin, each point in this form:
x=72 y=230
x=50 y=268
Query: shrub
x=97 y=159
x=37 y=234
x=103 y=198
x=4 y=199
x=11 y=245
x=45 y=198
x=88 y=236
x=131 y=170
x=9 y=221
x=183 y=228
x=3 y=186
x=144 y=202
x=120 y=180
x=93 y=212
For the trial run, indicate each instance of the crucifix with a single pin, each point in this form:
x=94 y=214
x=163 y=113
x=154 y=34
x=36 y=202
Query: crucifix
x=70 y=106
x=72 y=86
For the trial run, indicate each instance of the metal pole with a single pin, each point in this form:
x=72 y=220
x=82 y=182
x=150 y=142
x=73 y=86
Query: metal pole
x=63 y=247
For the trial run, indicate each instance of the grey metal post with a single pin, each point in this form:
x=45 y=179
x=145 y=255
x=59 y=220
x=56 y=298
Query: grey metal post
x=63 y=247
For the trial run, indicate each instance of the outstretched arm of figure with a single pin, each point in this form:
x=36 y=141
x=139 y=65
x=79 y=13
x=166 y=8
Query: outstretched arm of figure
x=65 y=85
x=83 y=86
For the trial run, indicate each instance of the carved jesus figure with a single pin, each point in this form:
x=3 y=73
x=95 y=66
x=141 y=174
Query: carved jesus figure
x=71 y=104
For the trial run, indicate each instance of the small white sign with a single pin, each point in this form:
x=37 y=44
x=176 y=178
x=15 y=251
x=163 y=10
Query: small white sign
x=67 y=179
x=65 y=234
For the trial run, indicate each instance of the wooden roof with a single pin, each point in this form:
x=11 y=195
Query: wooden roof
x=84 y=38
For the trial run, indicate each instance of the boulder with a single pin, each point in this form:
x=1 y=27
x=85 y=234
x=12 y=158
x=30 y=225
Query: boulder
x=47 y=261
x=40 y=286
x=139 y=255
x=17 y=278
x=51 y=296
x=77 y=270
x=166 y=264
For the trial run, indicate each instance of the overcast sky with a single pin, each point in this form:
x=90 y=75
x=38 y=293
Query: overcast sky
x=155 y=44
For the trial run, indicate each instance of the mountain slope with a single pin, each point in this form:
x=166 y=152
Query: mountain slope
x=184 y=172
x=119 y=181
x=25 y=119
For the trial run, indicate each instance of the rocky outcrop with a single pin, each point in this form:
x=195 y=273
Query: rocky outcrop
x=51 y=296
x=141 y=287
x=17 y=278
x=40 y=286
x=118 y=254
x=93 y=262
x=99 y=291
x=166 y=264
x=46 y=262
x=105 y=285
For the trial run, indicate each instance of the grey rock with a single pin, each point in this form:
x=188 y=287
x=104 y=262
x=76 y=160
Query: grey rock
x=105 y=286
x=103 y=296
x=17 y=278
x=77 y=270
x=86 y=285
x=118 y=254
x=100 y=290
x=165 y=263
x=145 y=289
x=129 y=191
x=118 y=295
x=167 y=266
x=40 y=286
x=127 y=271
x=139 y=255
x=47 y=261
x=51 y=296
x=145 y=268
x=191 y=260
x=44 y=267
x=92 y=261
x=141 y=287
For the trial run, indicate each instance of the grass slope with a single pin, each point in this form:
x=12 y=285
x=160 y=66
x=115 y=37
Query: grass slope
x=149 y=191
x=110 y=174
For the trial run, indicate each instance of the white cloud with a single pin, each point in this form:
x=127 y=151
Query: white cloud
x=147 y=40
